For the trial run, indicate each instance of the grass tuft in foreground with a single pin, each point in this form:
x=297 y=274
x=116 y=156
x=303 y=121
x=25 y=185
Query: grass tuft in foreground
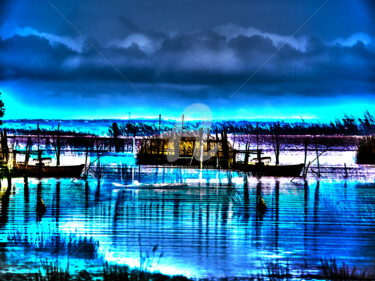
x=56 y=243
x=366 y=150
x=331 y=271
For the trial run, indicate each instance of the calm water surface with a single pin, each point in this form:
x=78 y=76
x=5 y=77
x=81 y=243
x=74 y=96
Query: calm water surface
x=208 y=228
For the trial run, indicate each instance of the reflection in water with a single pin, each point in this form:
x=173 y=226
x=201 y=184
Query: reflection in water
x=258 y=216
x=305 y=212
x=5 y=202
x=58 y=183
x=212 y=230
x=316 y=209
x=26 y=196
x=87 y=192
x=246 y=197
x=40 y=207
x=97 y=192
x=277 y=195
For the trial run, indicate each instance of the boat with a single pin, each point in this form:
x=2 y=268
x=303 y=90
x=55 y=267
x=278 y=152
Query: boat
x=42 y=171
x=41 y=167
x=273 y=170
x=261 y=166
x=138 y=185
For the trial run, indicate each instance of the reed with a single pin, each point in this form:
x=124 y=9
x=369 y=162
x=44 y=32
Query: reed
x=272 y=271
x=366 y=150
x=123 y=273
x=56 y=243
x=331 y=271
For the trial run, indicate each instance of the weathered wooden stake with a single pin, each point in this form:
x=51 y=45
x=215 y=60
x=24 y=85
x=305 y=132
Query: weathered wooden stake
x=257 y=135
x=37 y=130
x=58 y=146
x=159 y=123
x=346 y=170
x=306 y=145
x=317 y=155
x=182 y=125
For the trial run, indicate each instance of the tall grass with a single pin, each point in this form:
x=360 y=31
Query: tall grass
x=55 y=243
x=366 y=150
x=347 y=125
x=51 y=271
x=331 y=271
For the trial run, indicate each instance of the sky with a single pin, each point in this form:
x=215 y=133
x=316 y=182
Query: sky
x=242 y=59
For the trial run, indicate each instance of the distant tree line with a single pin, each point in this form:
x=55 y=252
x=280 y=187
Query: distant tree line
x=348 y=125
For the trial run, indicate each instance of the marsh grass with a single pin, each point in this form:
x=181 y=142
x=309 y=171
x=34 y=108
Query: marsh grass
x=347 y=125
x=56 y=243
x=123 y=273
x=53 y=272
x=273 y=271
x=331 y=271
x=366 y=150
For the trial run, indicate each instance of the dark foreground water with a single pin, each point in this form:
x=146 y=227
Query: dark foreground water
x=208 y=228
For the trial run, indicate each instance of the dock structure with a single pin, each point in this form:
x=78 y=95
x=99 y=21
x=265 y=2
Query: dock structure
x=188 y=151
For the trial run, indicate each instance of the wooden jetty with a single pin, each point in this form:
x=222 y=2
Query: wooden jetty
x=188 y=151
x=155 y=151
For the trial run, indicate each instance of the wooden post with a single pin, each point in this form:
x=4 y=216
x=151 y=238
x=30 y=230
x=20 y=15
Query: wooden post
x=346 y=170
x=40 y=158
x=133 y=146
x=257 y=135
x=201 y=147
x=6 y=148
x=218 y=150
x=115 y=130
x=162 y=149
x=37 y=130
x=182 y=124
x=40 y=162
x=317 y=155
x=58 y=146
x=87 y=152
x=246 y=160
x=159 y=123
x=14 y=158
x=100 y=169
x=277 y=145
x=306 y=145
x=28 y=147
x=259 y=156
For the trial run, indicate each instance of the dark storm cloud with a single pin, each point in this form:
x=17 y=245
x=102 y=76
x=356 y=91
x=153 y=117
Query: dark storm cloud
x=203 y=58
x=196 y=48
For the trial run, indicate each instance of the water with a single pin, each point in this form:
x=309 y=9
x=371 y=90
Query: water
x=209 y=228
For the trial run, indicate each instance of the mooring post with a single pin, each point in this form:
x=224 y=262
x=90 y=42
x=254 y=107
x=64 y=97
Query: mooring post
x=304 y=163
x=159 y=123
x=116 y=133
x=182 y=124
x=37 y=131
x=99 y=166
x=346 y=170
x=257 y=135
x=87 y=153
x=246 y=160
x=40 y=158
x=201 y=147
x=58 y=146
x=5 y=146
x=277 y=145
x=317 y=155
